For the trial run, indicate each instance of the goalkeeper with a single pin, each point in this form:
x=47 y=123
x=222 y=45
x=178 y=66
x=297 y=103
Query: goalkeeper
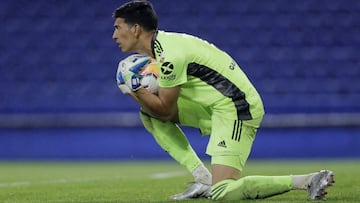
x=203 y=87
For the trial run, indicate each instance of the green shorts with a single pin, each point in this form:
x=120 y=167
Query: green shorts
x=231 y=140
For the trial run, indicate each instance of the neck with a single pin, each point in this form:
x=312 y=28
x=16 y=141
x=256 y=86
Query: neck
x=145 y=44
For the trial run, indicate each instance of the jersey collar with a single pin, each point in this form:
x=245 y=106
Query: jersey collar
x=153 y=43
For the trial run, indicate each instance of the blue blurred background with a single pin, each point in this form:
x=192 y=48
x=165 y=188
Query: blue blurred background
x=59 y=99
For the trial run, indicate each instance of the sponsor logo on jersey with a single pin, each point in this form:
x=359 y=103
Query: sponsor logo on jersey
x=167 y=69
x=232 y=65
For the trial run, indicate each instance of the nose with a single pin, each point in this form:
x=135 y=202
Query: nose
x=114 y=35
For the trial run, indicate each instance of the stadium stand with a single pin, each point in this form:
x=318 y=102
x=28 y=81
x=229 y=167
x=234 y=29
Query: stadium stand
x=58 y=58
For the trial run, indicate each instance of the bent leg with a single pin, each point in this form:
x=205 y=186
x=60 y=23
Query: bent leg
x=230 y=145
x=171 y=138
x=228 y=186
x=251 y=187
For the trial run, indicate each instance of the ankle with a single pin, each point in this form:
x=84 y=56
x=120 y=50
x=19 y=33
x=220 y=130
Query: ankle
x=301 y=182
x=202 y=175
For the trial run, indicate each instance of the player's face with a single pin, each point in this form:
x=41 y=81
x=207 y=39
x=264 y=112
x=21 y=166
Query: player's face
x=124 y=35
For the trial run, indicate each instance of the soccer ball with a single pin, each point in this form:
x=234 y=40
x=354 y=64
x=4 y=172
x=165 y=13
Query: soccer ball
x=150 y=75
x=145 y=69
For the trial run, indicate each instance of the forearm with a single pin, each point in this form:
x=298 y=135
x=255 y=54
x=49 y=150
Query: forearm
x=143 y=108
x=154 y=106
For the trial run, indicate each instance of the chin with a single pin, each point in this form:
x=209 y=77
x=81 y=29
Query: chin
x=125 y=50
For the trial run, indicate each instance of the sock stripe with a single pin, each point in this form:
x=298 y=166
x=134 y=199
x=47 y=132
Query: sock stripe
x=216 y=192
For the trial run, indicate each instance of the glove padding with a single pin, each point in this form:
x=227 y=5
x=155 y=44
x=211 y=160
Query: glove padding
x=128 y=76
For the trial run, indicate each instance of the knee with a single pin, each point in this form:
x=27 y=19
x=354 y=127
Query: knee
x=146 y=121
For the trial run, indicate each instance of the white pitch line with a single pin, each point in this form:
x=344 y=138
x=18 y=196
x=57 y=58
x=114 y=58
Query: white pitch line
x=15 y=184
x=167 y=175
x=62 y=181
x=46 y=182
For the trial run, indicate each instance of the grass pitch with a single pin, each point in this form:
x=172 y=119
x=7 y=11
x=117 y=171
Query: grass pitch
x=151 y=181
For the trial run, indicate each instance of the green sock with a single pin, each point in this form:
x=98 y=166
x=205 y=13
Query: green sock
x=171 y=138
x=251 y=187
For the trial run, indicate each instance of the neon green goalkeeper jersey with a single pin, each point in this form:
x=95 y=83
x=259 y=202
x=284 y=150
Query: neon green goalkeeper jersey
x=209 y=77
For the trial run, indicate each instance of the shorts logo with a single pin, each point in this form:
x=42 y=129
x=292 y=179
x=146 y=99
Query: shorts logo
x=167 y=68
x=222 y=144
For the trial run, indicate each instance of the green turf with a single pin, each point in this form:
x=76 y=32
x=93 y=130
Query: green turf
x=149 y=181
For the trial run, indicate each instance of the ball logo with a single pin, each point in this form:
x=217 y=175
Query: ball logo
x=167 y=68
x=123 y=66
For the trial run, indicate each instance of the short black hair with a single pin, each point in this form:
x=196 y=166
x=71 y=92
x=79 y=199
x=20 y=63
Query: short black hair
x=138 y=12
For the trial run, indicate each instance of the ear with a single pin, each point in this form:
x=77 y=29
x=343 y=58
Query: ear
x=136 y=29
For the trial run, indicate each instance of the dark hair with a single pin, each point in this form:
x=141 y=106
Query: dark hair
x=138 y=12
